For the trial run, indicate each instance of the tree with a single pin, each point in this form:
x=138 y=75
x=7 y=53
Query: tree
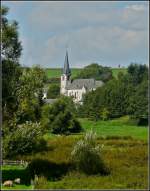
x=53 y=91
x=25 y=138
x=59 y=118
x=96 y=71
x=109 y=100
x=138 y=103
x=10 y=52
x=137 y=73
x=29 y=94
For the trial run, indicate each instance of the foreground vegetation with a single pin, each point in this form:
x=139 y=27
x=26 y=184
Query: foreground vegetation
x=125 y=157
x=125 y=153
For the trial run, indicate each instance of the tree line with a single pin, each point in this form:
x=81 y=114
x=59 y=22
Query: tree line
x=125 y=95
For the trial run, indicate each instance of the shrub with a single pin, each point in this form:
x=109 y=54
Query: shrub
x=86 y=155
x=104 y=114
x=24 y=139
x=48 y=169
x=59 y=117
x=53 y=91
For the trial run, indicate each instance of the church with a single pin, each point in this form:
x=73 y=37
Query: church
x=78 y=87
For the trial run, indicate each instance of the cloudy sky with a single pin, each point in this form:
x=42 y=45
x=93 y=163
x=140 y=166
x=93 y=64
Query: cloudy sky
x=109 y=33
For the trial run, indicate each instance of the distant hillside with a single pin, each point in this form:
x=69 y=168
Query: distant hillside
x=56 y=72
x=115 y=71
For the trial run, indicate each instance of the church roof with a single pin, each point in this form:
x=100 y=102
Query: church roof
x=66 y=69
x=87 y=83
x=50 y=101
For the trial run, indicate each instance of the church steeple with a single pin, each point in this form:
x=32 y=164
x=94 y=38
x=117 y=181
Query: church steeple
x=66 y=69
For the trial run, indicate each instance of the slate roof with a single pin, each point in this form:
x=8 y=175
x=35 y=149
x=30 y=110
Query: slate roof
x=66 y=69
x=87 y=83
x=49 y=100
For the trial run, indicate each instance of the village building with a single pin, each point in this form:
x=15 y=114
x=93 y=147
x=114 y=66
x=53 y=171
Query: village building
x=74 y=88
x=78 y=87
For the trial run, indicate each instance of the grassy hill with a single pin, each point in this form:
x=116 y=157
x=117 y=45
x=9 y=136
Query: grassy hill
x=115 y=71
x=56 y=72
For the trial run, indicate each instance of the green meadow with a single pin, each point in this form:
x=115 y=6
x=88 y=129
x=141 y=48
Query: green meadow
x=115 y=71
x=117 y=127
x=56 y=72
x=125 y=153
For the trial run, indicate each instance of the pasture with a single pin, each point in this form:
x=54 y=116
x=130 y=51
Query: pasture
x=115 y=71
x=56 y=72
x=125 y=153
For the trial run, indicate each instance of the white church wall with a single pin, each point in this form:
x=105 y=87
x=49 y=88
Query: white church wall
x=77 y=94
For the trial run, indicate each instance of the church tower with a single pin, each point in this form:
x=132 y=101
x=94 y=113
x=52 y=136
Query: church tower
x=65 y=77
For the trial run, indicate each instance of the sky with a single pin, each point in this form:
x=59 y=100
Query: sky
x=108 y=33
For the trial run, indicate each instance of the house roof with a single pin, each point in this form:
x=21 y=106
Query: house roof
x=87 y=83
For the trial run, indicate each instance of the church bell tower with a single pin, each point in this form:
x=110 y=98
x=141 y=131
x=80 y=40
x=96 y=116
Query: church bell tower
x=65 y=77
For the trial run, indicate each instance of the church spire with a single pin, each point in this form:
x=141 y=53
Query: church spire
x=66 y=69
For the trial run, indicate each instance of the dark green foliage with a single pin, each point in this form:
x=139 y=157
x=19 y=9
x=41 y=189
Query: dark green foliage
x=96 y=71
x=111 y=98
x=137 y=73
x=53 y=91
x=126 y=95
x=10 y=51
x=59 y=117
x=29 y=94
x=12 y=174
x=46 y=168
x=24 y=139
x=138 y=107
x=11 y=46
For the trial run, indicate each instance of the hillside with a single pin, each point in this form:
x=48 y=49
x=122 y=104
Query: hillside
x=56 y=72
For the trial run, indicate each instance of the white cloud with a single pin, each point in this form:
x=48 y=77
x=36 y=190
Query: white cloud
x=95 y=32
x=136 y=7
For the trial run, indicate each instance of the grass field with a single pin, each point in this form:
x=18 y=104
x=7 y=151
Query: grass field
x=117 y=127
x=115 y=71
x=56 y=72
x=125 y=153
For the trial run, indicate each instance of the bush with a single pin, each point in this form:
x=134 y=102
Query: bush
x=59 y=117
x=53 y=91
x=86 y=155
x=24 y=139
x=48 y=169
x=104 y=114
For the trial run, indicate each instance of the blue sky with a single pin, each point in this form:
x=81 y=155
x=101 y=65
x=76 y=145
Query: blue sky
x=109 y=33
